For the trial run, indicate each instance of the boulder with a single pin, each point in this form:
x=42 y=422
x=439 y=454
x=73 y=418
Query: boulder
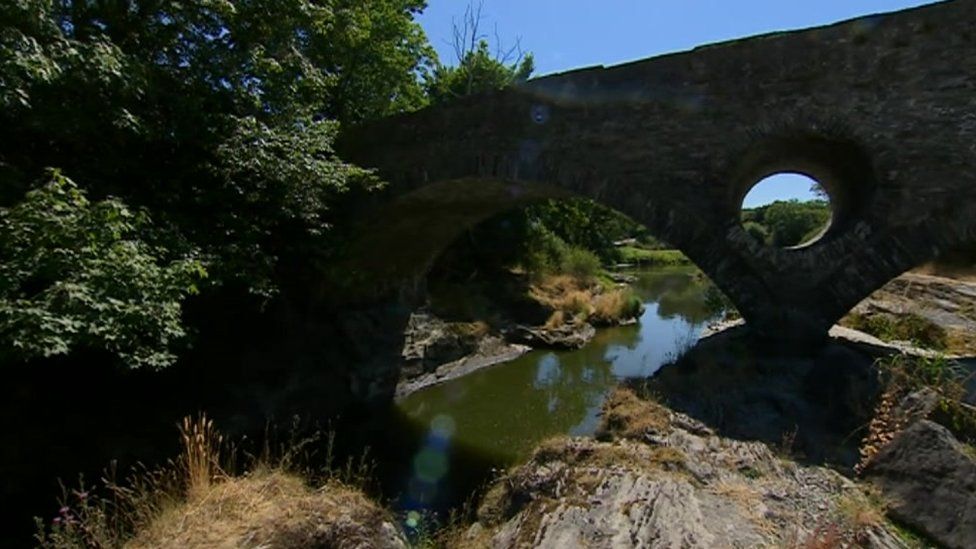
x=430 y=342
x=930 y=481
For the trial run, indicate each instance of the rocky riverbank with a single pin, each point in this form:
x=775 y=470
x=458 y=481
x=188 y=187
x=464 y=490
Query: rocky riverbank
x=659 y=478
x=564 y=313
x=924 y=308
x=435 y=353
x=656 y=477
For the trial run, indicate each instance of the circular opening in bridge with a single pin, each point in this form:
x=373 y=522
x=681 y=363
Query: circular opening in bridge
x=786 y=210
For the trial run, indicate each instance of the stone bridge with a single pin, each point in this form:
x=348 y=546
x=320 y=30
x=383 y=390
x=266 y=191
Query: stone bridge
x=880 y=110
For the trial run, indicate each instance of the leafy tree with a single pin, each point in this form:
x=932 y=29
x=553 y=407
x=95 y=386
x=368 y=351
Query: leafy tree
x=586 y=224
x=73 y=272
x=215 y=116
x=155 y=101
x=284 y=181
x=478 y=70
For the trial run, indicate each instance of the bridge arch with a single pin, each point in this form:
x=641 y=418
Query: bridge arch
x=674 y=142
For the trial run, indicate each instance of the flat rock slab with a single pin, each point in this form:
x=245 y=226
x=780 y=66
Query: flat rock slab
x=568 y=336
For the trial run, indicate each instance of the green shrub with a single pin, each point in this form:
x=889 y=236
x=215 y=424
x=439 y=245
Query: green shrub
x=918 y=330
x=544 y=251
x=580 y=263
x=717 y=302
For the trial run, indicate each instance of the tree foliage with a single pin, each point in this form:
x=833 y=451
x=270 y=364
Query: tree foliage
x=478 y=72
x=793 y=222
x=215 y=116
x=477 y=69
x=586 y=224
x=76 y=273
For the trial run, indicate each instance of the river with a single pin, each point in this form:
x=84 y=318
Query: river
x=492 y=418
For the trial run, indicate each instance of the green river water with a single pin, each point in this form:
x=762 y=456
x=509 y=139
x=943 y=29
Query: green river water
x=493 y=418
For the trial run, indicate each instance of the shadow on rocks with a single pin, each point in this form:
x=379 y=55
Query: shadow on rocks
x=814 y=407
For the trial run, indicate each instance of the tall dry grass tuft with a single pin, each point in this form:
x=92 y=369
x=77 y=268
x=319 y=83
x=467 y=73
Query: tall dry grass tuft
x=200 y=458
x=198 y=499
x=108 y=514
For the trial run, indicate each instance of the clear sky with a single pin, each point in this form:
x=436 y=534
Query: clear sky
x=568 y=34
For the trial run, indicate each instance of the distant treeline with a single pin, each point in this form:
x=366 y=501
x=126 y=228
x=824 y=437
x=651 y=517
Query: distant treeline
x=787 y=223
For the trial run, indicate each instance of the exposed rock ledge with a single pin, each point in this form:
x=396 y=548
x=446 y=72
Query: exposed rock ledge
x=662 y=479
x=567 y=336
x=491 y=351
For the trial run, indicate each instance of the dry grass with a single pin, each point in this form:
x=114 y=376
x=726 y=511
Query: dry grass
x=200 y=460
x=615 y=306
x=552 y=449
x=853 y=519
x=964 y=272
x=581 y=454
x=196 y=501
x=609 y=305
x=572 y=299
x=267 y=509
x=563 y=293
x=471 y=330
x=824 y=536
x=556 y=320
x=857 y=512
x=628 y=416
x=657 y=458
x=960 y=341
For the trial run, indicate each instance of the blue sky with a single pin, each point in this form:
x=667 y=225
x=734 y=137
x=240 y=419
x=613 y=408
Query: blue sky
x=568 y=34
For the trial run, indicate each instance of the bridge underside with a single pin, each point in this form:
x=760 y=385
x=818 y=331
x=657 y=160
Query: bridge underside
x=880 y=110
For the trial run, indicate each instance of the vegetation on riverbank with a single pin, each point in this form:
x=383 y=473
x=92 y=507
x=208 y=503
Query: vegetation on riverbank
x=643 y=257
x=574 y=300
x=207 y=498
x=541 y=265
x=904 y=375
x=903 y=327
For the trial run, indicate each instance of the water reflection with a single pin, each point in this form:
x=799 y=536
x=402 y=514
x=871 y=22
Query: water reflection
x=679 y=293
x=506 y=410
